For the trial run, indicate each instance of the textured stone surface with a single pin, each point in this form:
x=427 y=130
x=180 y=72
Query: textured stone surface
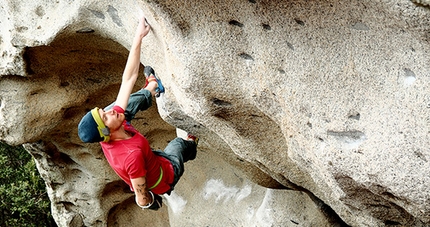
x=423 y=2
x=310 y=113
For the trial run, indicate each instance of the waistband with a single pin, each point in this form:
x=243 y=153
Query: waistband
x=159 y=179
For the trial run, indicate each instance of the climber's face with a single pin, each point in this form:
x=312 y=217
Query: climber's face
x=112 y=119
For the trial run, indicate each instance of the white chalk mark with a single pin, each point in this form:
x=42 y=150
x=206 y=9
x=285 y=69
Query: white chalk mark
x=216 y=188
x=407 y=77
x=265 y=210
x=243 y=193
x=175 y=202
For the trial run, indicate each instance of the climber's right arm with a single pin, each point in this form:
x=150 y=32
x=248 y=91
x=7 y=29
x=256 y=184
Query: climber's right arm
x=131 y=70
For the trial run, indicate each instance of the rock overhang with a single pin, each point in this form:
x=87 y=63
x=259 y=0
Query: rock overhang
x=291 y=89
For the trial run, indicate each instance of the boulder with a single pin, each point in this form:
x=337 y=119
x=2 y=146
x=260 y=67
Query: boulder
x=309 y=113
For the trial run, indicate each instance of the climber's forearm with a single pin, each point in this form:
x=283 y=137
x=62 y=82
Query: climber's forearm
x=143 y=196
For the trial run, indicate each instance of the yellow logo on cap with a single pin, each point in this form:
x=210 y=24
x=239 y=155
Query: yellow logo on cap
x=103 y=130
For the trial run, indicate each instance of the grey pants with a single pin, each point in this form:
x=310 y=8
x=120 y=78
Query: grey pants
x=178 y=151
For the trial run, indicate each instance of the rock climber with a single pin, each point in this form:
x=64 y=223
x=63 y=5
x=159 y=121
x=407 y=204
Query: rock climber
x=149 y=173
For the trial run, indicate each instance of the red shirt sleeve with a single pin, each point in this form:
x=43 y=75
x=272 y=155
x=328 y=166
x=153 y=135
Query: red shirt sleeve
x=118 y=109
x=135 y=165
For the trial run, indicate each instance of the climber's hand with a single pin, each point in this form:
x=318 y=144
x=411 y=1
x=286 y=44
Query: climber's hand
x=143 y=27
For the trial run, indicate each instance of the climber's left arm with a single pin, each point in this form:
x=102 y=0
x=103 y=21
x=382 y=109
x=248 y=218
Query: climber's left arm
x=144 y=198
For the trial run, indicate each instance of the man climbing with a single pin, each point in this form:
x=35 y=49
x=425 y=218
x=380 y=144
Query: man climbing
x=148 y=173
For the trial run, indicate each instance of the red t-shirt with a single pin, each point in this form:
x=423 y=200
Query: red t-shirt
x=133 y=158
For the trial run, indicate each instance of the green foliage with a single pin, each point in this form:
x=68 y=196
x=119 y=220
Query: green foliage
x=23 y=197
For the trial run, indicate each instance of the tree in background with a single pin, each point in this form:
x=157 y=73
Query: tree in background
x=23 y=197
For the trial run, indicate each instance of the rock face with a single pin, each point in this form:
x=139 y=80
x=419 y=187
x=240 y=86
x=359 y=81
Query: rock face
x=310 y=113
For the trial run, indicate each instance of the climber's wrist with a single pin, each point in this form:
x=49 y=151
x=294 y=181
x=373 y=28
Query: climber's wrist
x=149 y=204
